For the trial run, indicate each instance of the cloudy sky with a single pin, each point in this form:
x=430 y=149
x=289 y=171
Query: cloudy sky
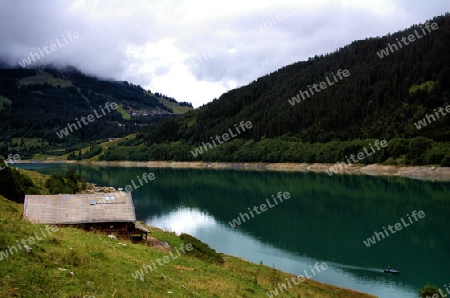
x=198 y=49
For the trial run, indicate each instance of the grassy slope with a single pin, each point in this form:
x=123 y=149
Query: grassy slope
x=44 y=77
x=4 y=100
x=177 y=109
x=103 y=268
x=28 y=142
x=428 y=85
x=105 y=145
x=122 y=112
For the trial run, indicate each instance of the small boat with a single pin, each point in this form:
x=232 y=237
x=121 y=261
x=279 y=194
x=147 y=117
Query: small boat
x=391 y=271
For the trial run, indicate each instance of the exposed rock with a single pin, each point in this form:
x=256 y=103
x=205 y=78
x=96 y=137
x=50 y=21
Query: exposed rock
x=158 y=244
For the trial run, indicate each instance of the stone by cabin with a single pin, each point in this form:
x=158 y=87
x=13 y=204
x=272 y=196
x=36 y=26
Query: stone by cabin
x=110 y=213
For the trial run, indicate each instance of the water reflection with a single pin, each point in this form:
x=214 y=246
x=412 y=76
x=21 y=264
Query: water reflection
x=326 y=220
x=224 y=239
x=183 y=220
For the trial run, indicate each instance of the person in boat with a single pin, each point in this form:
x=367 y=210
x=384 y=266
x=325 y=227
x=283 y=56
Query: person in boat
x=389 y=268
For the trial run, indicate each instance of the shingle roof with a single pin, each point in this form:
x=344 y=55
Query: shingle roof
x=140 y=227
x=79 y=208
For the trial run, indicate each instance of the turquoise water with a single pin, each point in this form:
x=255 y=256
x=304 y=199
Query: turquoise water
x=326 y=219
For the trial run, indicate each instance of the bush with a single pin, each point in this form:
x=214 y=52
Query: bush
x=56 y=185
x=390 y=161
x=14 y=184
x=445 y=162
x=433 y=158
x=397 y=147
x=201 y=250
x=416 y=150
x=429 y=291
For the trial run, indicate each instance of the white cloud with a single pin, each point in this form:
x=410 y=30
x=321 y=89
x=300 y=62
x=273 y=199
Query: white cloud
x=195 y=50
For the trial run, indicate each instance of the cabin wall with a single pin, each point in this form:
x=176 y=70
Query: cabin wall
x=116 y=228
x=122 y=230
x=119 y=229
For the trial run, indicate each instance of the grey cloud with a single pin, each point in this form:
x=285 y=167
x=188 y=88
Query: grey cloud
x=107 y=28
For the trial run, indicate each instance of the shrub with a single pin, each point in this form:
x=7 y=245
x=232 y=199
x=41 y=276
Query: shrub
x=56 y=184
x=445 y=162
x=433 y=158
x=416 y=150
x=201 y=250
x=15 y=185
x=428 y=291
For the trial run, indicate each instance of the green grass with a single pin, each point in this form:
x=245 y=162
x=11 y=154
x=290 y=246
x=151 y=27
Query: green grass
x=30 y=142
x=122 y=112
x=40 y=156
x=104 y=145
x=428 y=85
x=44 y=77
x=400 y=161
x=117 y=141
x=58 y=152
x=190 y=122
x=2 y=100
x=27 y=143
x=174 y=106
x=103 y=268
x=201 y=250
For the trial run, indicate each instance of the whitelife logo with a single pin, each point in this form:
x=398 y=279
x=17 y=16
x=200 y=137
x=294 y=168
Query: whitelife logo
x=360 y=156
x=411 y=38
x=397 y=226
x=70 y=126
x=266 y=24
x=27 y=61
x=422 y=123
x=263 y=208
x=301 y=278
x=226 y=137
x=146 y=177
x=440 y=293
x=31 y=240
x=323 y=85
x=197 y=60
x=139 y=274
x=11 y=159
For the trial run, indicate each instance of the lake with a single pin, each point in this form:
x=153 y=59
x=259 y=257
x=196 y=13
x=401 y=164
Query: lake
x=326 y=219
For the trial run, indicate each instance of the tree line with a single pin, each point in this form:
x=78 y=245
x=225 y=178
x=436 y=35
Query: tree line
x=381 y=99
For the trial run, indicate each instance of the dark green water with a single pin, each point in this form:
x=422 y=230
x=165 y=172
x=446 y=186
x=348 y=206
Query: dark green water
x=325 y=220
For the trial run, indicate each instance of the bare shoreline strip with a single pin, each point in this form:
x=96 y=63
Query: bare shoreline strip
x=416 y=172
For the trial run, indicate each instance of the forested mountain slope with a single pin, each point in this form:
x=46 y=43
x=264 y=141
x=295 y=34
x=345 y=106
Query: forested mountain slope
x=381 y=98
x=35 y=104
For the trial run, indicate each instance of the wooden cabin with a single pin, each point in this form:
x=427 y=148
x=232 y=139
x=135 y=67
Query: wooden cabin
x=112 y=213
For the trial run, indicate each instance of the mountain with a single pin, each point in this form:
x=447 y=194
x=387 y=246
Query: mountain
x=47 y=110
x=324 y=109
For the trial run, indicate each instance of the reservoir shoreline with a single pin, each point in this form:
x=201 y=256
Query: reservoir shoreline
x=435 y=173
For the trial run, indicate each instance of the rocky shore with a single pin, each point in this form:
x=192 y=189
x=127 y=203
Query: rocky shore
x=435 y=173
